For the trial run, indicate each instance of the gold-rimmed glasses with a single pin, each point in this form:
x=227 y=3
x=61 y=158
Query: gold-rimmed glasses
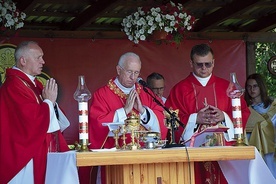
x=129 y=72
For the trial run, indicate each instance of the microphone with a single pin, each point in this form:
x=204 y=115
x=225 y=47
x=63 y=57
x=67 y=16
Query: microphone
x=140 y=81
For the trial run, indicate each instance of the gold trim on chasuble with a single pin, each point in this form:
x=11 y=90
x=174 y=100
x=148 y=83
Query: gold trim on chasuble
x=113 y=87
x=213 y=175
x=203 y=126
x=27 y=85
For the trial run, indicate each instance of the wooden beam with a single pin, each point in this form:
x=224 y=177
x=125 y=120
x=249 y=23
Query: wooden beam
x=250 y=58
x=23 y=5
x=246 y=36
x=265 y=23
x=89 y=14
x=223 y=13
x=266 y=37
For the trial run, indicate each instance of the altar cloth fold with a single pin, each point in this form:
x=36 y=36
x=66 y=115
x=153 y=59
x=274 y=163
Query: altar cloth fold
x=247 y=171
x=62 y=168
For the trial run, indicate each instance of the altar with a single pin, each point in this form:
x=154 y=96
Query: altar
x=240 y=164
x=159 y=166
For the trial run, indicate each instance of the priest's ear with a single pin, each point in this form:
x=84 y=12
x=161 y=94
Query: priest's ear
x=22 y=61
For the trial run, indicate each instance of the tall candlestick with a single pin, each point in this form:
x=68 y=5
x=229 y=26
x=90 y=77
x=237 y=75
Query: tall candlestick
x=82 y=95
x=235 y=91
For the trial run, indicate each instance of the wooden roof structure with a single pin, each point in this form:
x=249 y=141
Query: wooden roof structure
x=246 y=19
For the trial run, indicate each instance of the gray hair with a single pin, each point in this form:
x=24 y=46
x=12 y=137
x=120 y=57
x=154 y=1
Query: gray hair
x=21 y=49
x=124 y=57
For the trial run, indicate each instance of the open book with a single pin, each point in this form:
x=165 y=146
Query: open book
x=201 y=138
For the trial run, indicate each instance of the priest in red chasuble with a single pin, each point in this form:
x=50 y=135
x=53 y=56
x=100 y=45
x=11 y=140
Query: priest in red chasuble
x=120 y=98
x=30 y=119
x=202 y=101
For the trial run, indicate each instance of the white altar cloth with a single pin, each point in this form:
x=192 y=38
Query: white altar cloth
x=61 y=168
x=247 y=171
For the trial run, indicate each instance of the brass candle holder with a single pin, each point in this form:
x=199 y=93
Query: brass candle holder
x=116 y=137
x=124 y=147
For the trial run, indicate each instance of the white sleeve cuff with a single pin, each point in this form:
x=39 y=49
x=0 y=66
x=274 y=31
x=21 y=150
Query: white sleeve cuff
x=53 y=125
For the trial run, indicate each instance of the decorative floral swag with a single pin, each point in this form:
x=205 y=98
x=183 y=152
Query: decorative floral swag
x=171 y=18
x=10 y=16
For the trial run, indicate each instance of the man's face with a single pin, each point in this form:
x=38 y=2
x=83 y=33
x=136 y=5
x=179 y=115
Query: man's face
x=128 y=74
x=203 y=65
x=157 y=86
x=32 y=61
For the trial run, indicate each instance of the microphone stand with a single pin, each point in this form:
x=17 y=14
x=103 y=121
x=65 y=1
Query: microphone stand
x=172 y=120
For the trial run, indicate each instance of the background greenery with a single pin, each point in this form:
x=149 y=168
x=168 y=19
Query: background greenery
x=264 y=51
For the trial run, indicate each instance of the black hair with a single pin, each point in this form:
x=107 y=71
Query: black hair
x=154 y=75
x=201 y=50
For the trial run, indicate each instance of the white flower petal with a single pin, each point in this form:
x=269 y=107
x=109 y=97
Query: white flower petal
x=140 y=24
x=9 y=16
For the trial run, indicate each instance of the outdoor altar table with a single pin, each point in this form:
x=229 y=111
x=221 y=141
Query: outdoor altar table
x=173 y=165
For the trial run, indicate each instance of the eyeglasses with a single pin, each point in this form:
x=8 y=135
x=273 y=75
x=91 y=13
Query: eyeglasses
x=200 y=65
x=252 y=87
x=129 y=72
x=158 y=89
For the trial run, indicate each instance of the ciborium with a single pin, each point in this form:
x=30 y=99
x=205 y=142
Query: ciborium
x=132 y=125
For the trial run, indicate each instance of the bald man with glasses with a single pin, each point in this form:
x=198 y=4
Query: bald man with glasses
x=121 y=97
x=202 y=102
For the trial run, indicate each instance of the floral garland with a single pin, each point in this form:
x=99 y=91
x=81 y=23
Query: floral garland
x=10 y=16
x=171 y=18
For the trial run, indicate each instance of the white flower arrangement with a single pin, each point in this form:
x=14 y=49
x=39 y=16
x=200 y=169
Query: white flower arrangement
x=10 y=16
x=171 y=18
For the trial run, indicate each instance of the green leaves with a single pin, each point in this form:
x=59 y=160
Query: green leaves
x=264 y=51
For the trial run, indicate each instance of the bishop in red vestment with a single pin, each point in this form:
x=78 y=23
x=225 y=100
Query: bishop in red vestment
x=107 y=106
x=28 y=122
x=202 y=101
x=119 y=99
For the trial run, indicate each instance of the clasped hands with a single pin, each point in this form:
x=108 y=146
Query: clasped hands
x=133 y=101
x=210 y=115
x=50 y=90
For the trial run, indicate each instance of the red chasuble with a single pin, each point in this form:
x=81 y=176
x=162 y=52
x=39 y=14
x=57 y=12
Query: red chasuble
x=105 y=102
x=24 y=121
x=189 y=97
